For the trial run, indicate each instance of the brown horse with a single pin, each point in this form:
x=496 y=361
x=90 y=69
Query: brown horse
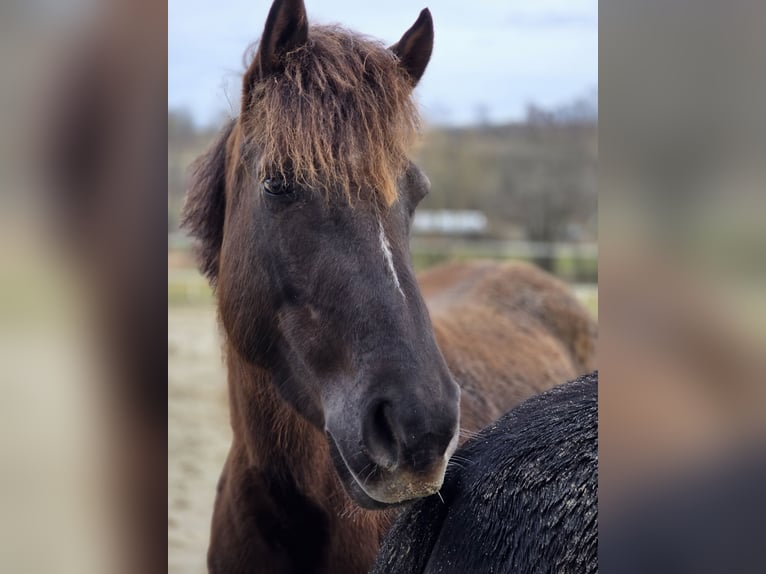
x=507 y=331
x=340 y=397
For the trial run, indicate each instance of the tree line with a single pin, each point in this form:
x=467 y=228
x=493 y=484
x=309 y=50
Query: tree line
x=534 y=179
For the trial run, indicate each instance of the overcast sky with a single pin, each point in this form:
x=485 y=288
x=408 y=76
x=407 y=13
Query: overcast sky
x=498 y=55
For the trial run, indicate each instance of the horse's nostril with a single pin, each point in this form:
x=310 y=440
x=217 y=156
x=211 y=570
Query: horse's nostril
x=380 y=437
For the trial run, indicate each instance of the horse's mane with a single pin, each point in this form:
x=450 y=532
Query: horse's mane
x=340 y=117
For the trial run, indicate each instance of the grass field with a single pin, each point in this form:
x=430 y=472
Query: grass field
x=187 y=287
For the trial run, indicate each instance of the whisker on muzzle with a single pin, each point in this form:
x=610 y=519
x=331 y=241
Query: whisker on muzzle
x=468 y=433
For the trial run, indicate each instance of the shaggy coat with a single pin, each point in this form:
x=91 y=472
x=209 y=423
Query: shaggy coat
x=520 y=497
x=494 y=321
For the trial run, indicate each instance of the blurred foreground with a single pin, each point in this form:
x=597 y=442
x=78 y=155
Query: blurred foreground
x=682 y=403
x=82 y=392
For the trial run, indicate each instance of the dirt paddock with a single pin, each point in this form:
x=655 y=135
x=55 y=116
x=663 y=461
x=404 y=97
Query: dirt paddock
x=198 y=433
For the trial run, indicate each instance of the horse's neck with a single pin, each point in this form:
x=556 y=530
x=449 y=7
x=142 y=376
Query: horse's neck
x=275 y=437
x=280 y=463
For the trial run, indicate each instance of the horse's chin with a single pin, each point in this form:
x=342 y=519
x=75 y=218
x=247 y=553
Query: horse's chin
x=359 y=494
x=350 y=483
x=360 y=497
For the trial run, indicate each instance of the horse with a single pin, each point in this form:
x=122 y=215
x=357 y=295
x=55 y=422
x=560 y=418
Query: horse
x=495 y=322
x=522 y=496
x=342 y=403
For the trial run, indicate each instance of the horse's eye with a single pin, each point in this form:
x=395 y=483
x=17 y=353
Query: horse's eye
x=276 y=187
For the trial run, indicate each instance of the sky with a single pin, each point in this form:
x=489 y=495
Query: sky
x=491 y=58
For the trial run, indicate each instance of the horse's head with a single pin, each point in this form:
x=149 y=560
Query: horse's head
x=303 y=212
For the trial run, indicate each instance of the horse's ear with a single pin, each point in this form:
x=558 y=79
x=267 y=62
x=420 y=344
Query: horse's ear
x=287 y=28
x=205 y=206
x=415 y=47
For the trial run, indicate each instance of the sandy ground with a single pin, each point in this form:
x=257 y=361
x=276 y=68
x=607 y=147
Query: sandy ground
x=198 y=433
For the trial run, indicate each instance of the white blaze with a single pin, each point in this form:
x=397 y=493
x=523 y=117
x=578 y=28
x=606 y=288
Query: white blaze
x=385 y=246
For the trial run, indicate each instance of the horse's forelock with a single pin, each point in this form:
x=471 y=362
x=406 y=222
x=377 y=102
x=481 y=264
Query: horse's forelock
x=340 y=117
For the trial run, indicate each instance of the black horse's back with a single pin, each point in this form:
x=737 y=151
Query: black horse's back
x=520 y=497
